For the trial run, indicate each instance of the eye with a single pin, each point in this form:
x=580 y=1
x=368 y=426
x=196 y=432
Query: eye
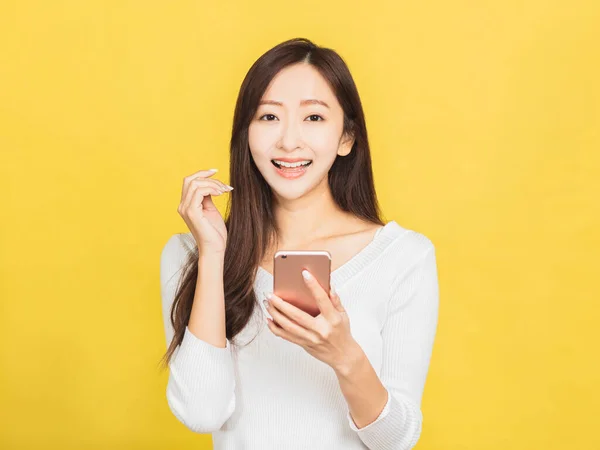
x=318 y=118
x=267 y=115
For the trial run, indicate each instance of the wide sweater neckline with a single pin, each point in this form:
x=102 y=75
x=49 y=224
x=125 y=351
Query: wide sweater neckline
x=382 y=239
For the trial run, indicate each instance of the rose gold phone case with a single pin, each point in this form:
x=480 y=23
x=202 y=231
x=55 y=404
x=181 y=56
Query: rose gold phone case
x=288 y=282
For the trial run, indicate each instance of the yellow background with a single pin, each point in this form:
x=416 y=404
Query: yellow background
x=484 y=123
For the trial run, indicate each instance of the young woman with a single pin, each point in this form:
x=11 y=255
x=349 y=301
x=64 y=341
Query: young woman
x=350 y=378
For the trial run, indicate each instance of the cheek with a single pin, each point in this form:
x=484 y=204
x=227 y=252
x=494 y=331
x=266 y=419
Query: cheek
x=322 y=140
x=261 y=139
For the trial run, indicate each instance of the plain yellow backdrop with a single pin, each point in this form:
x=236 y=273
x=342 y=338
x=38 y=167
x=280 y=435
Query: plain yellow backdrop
x=484 y=123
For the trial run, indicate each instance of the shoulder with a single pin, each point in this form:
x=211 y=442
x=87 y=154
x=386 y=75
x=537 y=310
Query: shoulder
x=409 y=249
x=414 y=273
x=178 y=245
x=175 y=252
x=411 y=244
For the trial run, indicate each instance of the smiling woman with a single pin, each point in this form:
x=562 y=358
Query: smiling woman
x=298 y=123
x=353 y=376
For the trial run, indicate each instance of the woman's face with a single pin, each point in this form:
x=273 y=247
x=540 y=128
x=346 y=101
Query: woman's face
x=299 y=118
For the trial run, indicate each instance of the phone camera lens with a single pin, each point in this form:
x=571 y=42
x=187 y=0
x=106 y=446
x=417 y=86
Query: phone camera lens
x=284 y=256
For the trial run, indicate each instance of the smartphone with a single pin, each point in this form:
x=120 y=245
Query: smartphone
x=288 y=282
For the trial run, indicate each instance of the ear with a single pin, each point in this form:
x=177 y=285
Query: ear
x=346 y=143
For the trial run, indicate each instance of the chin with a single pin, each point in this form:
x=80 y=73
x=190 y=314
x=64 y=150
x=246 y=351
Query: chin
x=289 y=192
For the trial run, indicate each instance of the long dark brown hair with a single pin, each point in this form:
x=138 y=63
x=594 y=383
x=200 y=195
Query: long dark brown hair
x=250 y=222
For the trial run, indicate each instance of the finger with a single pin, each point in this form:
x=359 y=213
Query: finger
x=322 y=297
x=195 y=197
x=202 y=199
x=296 y=314
x=280 y=332
x=189 y=178
x=206 y=186
x=202 y=173
x=205 y=182
x=289 y=325
x=224 y=187
x=336 y=301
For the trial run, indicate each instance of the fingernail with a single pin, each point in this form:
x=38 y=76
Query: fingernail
x=266 y=303
x=333 y=291
x=229 y=187
x=213 y=170
x=306 y=274
x=268 y=295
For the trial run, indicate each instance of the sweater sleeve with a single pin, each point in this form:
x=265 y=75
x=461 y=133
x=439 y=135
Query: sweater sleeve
x=200 y=390
x=408 y=336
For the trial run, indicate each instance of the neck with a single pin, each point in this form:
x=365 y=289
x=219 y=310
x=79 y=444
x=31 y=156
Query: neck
x=311 y=216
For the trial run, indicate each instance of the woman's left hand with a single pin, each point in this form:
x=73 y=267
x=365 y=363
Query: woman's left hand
x=327 y=337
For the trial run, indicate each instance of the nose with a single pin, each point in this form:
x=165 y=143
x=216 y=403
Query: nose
x=291 y=136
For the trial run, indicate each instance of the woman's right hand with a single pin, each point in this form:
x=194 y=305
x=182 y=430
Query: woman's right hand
x=200 y=214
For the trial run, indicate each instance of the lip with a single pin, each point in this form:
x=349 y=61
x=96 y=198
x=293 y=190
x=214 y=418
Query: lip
x=291 y=160
x=291 y=174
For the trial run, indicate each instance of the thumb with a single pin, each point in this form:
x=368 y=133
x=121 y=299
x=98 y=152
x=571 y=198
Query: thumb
x=207 y=203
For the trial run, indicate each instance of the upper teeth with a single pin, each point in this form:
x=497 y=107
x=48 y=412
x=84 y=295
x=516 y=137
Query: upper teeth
x=295 y=164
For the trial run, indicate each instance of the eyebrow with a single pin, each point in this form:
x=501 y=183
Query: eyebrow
x=310 y=101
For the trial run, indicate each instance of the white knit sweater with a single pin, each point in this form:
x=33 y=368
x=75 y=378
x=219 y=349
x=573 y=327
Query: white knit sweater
x=272 y=394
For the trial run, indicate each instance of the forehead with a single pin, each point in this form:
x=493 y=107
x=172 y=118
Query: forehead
x=298 y=82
